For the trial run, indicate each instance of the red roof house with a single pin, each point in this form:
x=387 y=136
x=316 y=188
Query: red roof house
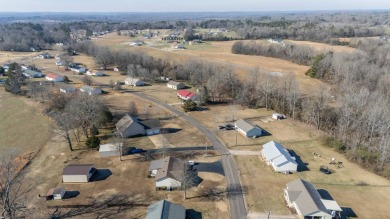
x=186 y=95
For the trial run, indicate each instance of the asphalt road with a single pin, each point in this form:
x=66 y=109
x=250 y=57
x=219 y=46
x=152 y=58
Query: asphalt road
x=235 y=194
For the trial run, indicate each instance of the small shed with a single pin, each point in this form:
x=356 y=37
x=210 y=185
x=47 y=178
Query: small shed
x=110 y=150
x=55 y=193
x=247 y=129
x=278 y=116
x=76 y=173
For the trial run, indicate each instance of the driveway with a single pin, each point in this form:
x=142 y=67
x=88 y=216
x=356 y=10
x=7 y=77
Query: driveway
x=245 y=153
x=215 y=167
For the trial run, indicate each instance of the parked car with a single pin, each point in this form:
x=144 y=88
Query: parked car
x=221 y=127
x=325 y=170
x=136 y=151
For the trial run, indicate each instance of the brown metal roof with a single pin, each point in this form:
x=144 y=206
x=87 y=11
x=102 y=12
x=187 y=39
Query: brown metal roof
x=172 y=168
x=77 y=169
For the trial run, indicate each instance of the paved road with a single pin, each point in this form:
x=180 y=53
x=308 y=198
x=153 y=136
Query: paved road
x=202 y=148
x=235 y=195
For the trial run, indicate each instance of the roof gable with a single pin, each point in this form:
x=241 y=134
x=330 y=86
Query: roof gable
x=165 y=210
x=245 y=126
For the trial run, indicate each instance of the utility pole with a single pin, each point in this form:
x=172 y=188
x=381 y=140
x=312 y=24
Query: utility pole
x=206 y=148
x=269 y=213
x=236 y=137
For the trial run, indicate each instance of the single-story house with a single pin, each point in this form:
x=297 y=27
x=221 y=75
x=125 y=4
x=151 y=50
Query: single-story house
x=278 y=116
x=168 y=172
x=129 y=126
x=61 y=62
x=91 y=90
x=137 y=43
x=95 y=73
x=186 y=95
x=78 y=70
x=55 y=193
x=165 y=210
x=247 y=129
x=175 y=85
x=67 y=89
x=54 y=77
x=279 y=158
x=110 y=150
x=116 y=68
x=152 y=126
x=44 y=56
x=307 y=201
x=179 y=46
x=32 y=74
x=74 y=173
x=134 y=82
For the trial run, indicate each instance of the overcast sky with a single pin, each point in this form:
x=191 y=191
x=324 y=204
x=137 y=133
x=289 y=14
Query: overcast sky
x=186 y=5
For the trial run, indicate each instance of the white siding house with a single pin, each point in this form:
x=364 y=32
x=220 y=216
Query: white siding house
x=91 y=90
x=279 y=158
x=175 y=85
x=247 y=129
x=134 y=82
x=168 y=173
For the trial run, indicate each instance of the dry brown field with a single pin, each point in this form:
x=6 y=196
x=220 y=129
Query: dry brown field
x=323 y=47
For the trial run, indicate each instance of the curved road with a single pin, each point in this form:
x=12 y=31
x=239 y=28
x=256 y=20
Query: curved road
x=235 y=192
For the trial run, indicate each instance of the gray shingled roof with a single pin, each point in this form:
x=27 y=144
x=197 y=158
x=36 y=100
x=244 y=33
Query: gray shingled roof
x=165 y=210
x=306 y=197
x=125 y=122
x=151 y=123
x=172 y=168
x=244 y=125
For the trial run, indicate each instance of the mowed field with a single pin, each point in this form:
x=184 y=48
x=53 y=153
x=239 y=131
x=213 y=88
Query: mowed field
x=22 y=125
x=264 y=187
x=217 y=52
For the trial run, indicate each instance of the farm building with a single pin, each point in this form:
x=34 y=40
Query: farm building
x=307 y=201
x=55 y=193
x=32 y=73
x=129 y=126
x=175 y=85
x=110 y=150
x=186 y=95
x=67 y=90
x=168 y=172
x=90 y=90
x=74 y=173
x=54 y=77
x=134 y=82
x=279 y=158
x=247 y=129
x=151 y=126
x=165 y=210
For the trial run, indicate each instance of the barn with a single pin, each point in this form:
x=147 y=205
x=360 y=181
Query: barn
x=76 y=173
x=110 y=150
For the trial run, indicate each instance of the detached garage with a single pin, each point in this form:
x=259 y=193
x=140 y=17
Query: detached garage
x=152 y=126
x=76 y=173
x=110 y=150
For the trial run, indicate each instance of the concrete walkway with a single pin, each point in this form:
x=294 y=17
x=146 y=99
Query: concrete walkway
x=245 y=153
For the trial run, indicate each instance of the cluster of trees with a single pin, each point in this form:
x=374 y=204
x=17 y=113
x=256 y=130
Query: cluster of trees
x=288 y=51
x=77 y=115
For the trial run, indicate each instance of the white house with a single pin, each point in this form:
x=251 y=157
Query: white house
x=74 y=173
x=67 y=90
x=168 y=173
x=44 y=56
x=91 y=90
x=278 y=116
x=175 y=85
x=137 y=43
x=247 y=129
x=134 y=82
x=279 y=158
x=110 y=150
x=307 y=201
x=54 y=77
x=32 y=74
x=186 y=95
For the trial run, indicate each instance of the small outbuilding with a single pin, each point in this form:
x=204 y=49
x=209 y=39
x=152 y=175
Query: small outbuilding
x=279 y=158
x=110 y=150
x=165 y=210
x=77 y=173
x=175 y=85
x=55 y=193
x=278 y=116
x=247 y=129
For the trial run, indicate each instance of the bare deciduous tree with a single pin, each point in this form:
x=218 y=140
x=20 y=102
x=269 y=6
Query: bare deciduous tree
x=133 y=110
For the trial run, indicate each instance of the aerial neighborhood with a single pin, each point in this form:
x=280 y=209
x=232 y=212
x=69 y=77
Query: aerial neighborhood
x=201 y=115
